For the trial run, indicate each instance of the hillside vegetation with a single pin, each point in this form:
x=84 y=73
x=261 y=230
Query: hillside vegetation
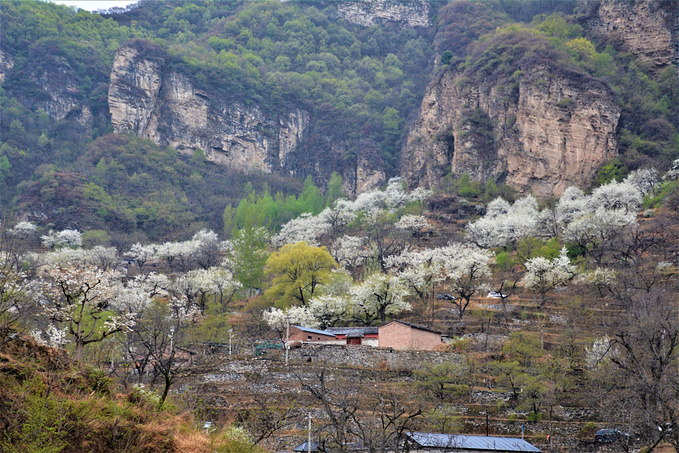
x=362 y=85
x=124 y=265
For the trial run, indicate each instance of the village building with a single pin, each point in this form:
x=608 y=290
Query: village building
x=407 y=336
x=399 y=335
x=457 y=443
x=308 y=335
x=366 y=336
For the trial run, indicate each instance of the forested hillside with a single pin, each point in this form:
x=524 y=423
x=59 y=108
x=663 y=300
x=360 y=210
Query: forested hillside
x=183 y=178
x=360 y=85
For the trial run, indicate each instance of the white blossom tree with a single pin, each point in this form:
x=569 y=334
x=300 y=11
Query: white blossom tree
x=571 y=205
x=543 y=275
x=140 y=254
x=305 y=228
x=645 y=180
x=82 y=300
x=16 y=297
x=420 y=271
x=279 y=320
x=329 y=310
x=616 y=196
x=64 y=238
x=466 y=269
x=598 y=232
x=503 y=225
x=379 y=296
x=349 y=252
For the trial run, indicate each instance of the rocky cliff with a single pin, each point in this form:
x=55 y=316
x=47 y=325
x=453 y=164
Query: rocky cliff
x=648 y=29
x=376 y=12
x=538 y=129
x=166 y=106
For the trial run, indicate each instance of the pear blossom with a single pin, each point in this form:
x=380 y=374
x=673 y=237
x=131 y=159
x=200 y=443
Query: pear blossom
x=279 y=319
x=377 y=297
x=616 y=196
x=23 y=229
x=601 y=349
x=543 y=275
x=305 y=228
x=645 y=180
x=64 y=238
x=82 y=299
x=329 y=310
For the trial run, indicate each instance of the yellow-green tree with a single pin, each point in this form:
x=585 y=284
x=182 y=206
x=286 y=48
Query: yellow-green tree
x=296 y=271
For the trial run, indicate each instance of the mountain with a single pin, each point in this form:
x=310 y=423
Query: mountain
x=535 y=94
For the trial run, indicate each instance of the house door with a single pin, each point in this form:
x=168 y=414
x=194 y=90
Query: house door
x=355 y=340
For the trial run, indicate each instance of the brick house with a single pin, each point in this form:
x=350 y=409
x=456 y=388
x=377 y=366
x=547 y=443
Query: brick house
x=307 y=335
x=404 y=335
x=397 y=335
x=366 y=336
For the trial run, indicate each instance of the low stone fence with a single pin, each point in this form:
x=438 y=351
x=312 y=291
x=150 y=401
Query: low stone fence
x=370 y=357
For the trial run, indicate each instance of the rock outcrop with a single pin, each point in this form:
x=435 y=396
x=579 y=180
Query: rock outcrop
x=540 y=130
x=6 y=64
x=167 y=107
x=376 y=12
x=61 y=96
x=648 y=29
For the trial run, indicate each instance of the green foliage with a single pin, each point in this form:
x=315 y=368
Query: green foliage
x=533 y=248
x=447 y=57
x=467 y=187
x=444 y=381
x=613 y=170
x=249 y=255
x=297 y=270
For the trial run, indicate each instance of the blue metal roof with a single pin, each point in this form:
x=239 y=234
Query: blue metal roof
x=480 y=443
x=305 y=447
x=316 y=331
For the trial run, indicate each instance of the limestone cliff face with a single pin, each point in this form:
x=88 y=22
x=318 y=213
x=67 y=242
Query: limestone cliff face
x=647 y=28
x=376 y=12
x=552 y=130
x=6 y=64
x=61 y=96
x=168 y=108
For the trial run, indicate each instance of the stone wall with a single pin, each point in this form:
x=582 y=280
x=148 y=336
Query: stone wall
x=370 y=357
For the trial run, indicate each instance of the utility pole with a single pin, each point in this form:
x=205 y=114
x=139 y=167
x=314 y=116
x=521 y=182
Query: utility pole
x=309 y=441
x=230 y=337
x=287 y=338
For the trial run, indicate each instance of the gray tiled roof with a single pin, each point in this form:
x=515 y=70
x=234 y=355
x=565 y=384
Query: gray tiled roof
x=480 y=443
x=353 y=330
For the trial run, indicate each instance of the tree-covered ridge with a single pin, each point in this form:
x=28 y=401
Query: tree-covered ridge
x=360 y=84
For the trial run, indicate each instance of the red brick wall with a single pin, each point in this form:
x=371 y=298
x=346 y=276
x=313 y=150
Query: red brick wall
x=399 y=336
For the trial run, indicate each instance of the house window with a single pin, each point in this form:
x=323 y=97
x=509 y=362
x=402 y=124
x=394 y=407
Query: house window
x=308 y=337
x=318 y=338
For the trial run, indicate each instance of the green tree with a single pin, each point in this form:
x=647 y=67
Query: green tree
x=333 y=191
x=249 y=255
x=297 y=270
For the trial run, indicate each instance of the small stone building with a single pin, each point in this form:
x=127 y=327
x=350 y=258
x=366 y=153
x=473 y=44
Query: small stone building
x=457 y=443
x=404 y=335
